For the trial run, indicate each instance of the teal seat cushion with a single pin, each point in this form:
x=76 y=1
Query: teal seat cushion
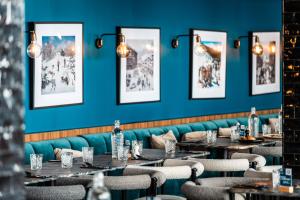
x=77 y=143
x=28 y=149
x=173 y=129
x=197 y=126
x=232 y=122
x=129 y=135
x=243 y=121
x=265 y=118
x=143 y=134
x=60 y=143
x=221 y=123
x=209 y=125
x=156 y=131
x=98 y=141
x=45 y=148
x=183 y=129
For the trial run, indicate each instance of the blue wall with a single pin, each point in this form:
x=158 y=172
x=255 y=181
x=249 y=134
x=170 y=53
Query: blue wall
x=237 y=17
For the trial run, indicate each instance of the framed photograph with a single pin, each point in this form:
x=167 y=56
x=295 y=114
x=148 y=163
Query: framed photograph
x=139 y=73
x=208 y=64
x=265 y=68
x=58 y=71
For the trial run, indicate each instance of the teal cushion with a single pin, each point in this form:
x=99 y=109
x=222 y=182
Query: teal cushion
x=232 y=122
x=265 y=118
x=97 y=141
x=45 y=148
x=172 y=128
x=221 y=123
x=209 y=125
x=77 y=143
x=243 y=121
x=28 y=149
x=197 y=126
x=156 y=131
x=129 y=135
x=60 y=143
x=143 y=134
x=183 y=129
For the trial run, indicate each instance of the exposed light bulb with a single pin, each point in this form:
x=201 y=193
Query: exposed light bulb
x=122 y=50
x=272 y=47
x=34 y=49
x=257 y=48
x=199 y=48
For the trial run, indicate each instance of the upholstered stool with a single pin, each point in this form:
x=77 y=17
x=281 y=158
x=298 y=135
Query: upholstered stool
x=163 y=197
x=215 y=188
x=252 y=173
x=274 y=152
x=74 y=192
x=254 y=159
x=269 y=168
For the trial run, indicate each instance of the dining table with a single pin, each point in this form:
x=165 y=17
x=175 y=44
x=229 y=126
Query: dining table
x=52 y=170
x=224 y=145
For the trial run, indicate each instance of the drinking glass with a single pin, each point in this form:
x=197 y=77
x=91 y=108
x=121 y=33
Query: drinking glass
x=234 y=134
x=140 y=145
x=123 y=153
x=211 y=136
x=88 y=154
x=214 y=136
x=66 y=159
x=170 y=146
x=36 y=161
x=265 y=129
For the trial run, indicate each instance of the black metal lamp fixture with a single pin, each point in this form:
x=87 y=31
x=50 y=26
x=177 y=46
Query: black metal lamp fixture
x=122 y=49
x=199 y=47
x=257 y=48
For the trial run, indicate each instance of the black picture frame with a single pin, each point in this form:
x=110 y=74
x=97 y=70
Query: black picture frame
x=191 y=69
x=33 y=67
x=119 y=66
x=252 y=72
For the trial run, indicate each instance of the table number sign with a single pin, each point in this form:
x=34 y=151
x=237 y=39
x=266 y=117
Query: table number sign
x=286 y=183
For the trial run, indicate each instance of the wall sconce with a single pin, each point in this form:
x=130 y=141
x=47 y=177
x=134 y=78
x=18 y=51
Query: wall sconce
x=34 y=49
x=257 y=48
x=122 y=49
x=199 y=47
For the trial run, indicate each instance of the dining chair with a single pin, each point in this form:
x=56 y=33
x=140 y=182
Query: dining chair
x=215 y=188
x=273 y=151
x=147 y=180
x=173 y=169
x=255 y=160
x=69 y=192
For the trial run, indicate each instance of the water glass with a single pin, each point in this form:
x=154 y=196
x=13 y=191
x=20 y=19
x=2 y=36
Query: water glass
x=36 y=161
x=88 y=154
x=234 y=134
x=123 y=153
x=67 y=160
x=211 y=137
x=140 y=145
x=170 y=146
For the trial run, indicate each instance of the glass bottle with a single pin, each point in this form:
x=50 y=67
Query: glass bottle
x=98 y=190
x=242 y=130
x=280 y=121
x=117 y=139
x=253 y=123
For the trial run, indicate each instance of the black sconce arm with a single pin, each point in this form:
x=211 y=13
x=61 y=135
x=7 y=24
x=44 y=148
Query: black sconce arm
x=175 y=41
x=99 y=39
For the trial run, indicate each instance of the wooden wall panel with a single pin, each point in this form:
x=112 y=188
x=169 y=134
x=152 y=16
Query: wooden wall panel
x=102 y=129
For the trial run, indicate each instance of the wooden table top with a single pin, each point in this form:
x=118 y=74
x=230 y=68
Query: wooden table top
x=53 y=170
x=225 y=143
x=265 y=192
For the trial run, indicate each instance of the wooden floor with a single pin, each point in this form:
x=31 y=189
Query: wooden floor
x=149 y=124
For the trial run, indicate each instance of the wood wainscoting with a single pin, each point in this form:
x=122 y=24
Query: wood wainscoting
x=101 y=129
